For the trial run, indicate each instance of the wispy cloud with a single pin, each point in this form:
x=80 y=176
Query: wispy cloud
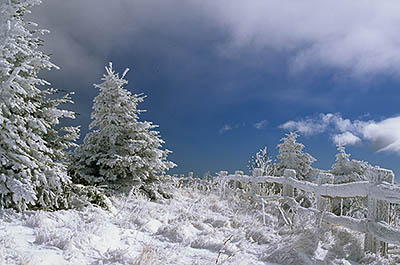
x=225 y=129
x=384 y=135
x=261 y=124
x=229 y=127
x=314 y=125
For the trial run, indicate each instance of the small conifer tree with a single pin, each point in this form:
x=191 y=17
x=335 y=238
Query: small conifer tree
x=31 y=148
x=291 y=156
x=348 y=170
x=120 y=148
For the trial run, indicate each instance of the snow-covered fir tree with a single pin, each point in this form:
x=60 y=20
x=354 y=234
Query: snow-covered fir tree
x=348 y=170
x=31 y=173
x=121 y=148
x=291 y=156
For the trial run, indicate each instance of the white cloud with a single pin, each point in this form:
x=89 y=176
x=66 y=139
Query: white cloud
x=307 y=127
x=346 y=138
x=352 y=36
x=261 y=124
x=384 y=135
x=311 y=126
x=225 y=128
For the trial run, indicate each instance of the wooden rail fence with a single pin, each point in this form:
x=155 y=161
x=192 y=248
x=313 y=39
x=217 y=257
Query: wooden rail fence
x=379 y=190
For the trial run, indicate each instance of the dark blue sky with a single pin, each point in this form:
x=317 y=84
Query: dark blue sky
x=222 y=79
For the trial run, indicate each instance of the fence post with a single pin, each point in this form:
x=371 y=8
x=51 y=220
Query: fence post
x=383 y=207
x=239 y=173
x=323 y=178
x=223 y=182
x=257 y=172
x=287 y=188
x=377 y=210
x=223 y=173
x=238 y=184
x=191 y=180
x=369 y=240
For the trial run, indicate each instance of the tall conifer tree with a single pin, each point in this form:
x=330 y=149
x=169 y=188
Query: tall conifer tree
x=31 y=173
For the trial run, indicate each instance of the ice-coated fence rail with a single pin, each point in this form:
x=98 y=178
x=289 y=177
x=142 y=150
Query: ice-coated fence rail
x=379 y=189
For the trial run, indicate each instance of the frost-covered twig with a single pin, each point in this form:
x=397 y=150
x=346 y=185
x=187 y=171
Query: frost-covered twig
x=220 y=251
x=287 y=220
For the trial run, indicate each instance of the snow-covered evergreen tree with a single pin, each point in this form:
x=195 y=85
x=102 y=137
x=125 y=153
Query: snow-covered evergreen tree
x=31 y=173
x=348 y=170
x=291 y=156
x=120 y=148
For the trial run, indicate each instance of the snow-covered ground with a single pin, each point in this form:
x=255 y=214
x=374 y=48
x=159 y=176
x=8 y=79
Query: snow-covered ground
x=195 y=227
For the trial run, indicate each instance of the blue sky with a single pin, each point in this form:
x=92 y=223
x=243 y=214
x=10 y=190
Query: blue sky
x=225 y=78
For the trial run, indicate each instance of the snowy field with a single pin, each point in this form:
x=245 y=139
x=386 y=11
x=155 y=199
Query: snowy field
x=195 y=227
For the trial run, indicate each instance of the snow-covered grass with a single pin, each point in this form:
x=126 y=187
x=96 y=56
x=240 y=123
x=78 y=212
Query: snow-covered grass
x=195 y=227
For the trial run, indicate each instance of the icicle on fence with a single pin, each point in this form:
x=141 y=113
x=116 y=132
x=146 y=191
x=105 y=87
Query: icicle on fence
x=380 y=190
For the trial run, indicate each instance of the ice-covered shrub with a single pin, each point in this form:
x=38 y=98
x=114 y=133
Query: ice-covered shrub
x=9 y=254
x=308 y=245
x=341 y=242
x=148 y=256
x=56 y=237
x=120 y=256
x=260 y=235
x=80 y=196
x=263 y=162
